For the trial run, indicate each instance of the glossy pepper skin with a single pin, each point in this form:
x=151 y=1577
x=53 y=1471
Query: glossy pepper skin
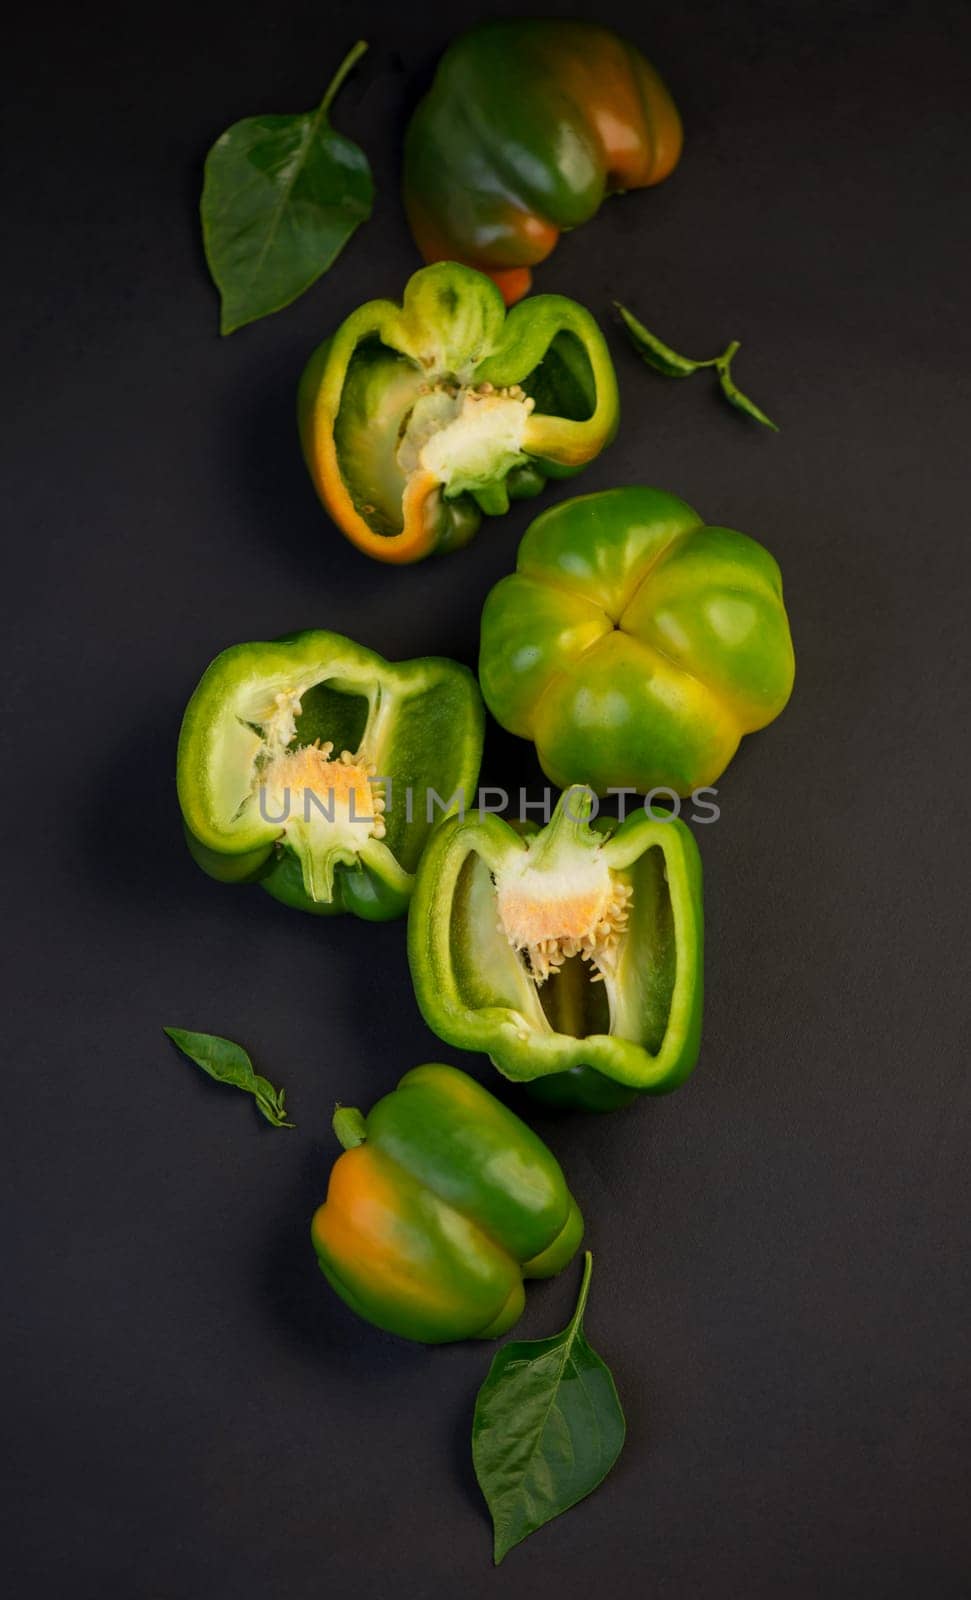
x=417 y=418
x=572 y=955
x=294 y=761
x=527 y=127
x=441 y=1205
x=634 y=645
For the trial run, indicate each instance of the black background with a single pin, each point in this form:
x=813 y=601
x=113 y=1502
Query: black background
x=780 y=1271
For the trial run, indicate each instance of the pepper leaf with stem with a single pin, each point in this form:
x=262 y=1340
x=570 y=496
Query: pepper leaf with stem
x=228 y=1062
x=547 y=1429
x=663 y=359
x=280 y=199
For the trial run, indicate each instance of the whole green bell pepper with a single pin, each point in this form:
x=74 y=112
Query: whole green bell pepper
x=441 y=1205
x=526 y=128
x=314 y=766
x=634 y=645
x=416 y=419
x=571 y=956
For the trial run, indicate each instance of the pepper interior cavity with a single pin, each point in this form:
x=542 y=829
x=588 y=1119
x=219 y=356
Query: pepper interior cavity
x=419 y=418
x=296 y=760
x=406 y=428
x=327 y=808
x=571 y=954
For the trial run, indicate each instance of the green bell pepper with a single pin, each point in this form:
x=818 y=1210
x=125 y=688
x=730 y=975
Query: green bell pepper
x=441 y=1205
x=314 y=766
x=634 y=645
x=416 y=419
x=571 y=956
x=526 y=128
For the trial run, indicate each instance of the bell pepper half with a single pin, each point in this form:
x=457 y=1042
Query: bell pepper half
x=416 y=419
x=572 y=955
x=634 y=645
x=297 y=758
x=442 y=1203
x=526 y=128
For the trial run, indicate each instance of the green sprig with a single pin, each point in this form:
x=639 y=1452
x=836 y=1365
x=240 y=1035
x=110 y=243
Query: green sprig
x=663 y=359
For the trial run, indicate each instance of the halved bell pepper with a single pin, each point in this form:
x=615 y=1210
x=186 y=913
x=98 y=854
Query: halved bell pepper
x=416 y=419
x=572 y=956
x=441 y=1205
x=634 y=645
x=526 y=128
x=296 y=760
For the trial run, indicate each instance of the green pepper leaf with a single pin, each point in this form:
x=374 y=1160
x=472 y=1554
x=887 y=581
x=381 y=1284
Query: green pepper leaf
x=280 y=199
x=271 y=1103
x=654 y=351
x=547 y=1429
x=733 y=393
x=667 y=361
x=228 y=1062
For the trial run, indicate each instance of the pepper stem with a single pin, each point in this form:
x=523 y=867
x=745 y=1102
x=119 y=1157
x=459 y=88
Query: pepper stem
x=577 y=1317
x=343 y=71
x=349 y=1126
x=569 y=827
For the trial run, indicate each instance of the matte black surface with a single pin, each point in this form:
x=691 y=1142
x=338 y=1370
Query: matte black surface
x=780 y=1281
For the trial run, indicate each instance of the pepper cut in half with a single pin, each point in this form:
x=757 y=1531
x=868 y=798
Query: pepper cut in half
x=316 y=767
x=443 y=1202
x=525 y=130
x=634 y=645
x=572 y=956
x=416 y=419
